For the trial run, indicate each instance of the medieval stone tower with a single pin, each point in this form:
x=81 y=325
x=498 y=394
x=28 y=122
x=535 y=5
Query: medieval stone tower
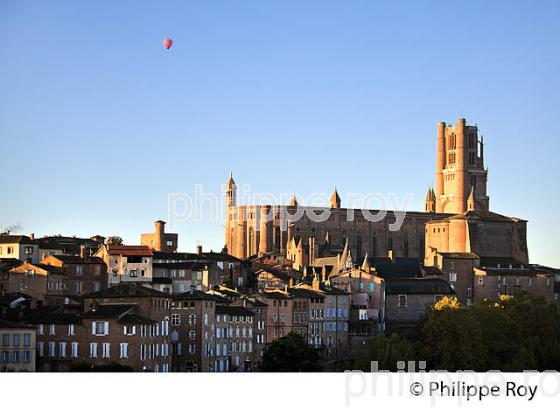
x=460 y=174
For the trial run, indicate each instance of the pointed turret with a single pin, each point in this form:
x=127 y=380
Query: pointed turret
x=471 y=201
x=335 y=199
x=293 y=201
x=430 y=201
x=365 y=265
x=231 y=191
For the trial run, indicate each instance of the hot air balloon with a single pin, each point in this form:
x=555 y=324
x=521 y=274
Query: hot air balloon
x=167 y=43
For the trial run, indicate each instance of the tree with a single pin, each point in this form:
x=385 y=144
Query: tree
x=115 y=240
x=511 y=334
x=387 y=351
x=290 y=353
x=453 y=340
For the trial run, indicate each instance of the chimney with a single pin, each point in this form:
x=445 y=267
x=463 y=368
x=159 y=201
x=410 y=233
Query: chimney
x=82 y=251
x=391 y=256
x=198 y=249
x=32 y=236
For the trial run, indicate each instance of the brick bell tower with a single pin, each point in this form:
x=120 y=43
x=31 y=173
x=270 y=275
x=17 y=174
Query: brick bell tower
x=460 y=174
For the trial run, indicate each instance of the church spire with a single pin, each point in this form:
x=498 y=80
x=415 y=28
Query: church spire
x=430 y=201
x=293 y=201
x=335 y=199
x=231 y=191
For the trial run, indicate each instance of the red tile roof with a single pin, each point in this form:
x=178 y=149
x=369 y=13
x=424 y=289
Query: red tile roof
x=128 y=250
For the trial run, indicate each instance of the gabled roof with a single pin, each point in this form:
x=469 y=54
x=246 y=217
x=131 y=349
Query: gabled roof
x=9 y=263
x=129 y=250
x=459 y=255
x=233 y=310
x=503 y=262
x=305 y=293
x=418 y=286
x=124 y=290
x=178 y=257
x=274 y=294
x=397 y=268
x=45 y=317
x=197 y=266
x=196 y=295
x=75 y=259
x=485 y=216
x=21 y=239
x=108 y=311
x=5 y=324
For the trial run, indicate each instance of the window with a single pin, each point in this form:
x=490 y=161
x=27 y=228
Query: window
x=175 y=319
x=403 y=301
x=192 y=334
x=530 y=282
x=97 y=270
x=5 y=340
x=62 y=349
x=192 y=320
x=106 y=350
x=26 y=340
x=129 y=330
x=79 y=269
x=16 y=340
x=133 y=273
x=52 y=330
x=453 y=277
x=40 y=330
x=74 y=348
x=93 y=350
x=52 y=347
x=371 y=286
x=124 y=351
x=40 y=346
x=100 y=328
x=451 y=158
x=70 y=330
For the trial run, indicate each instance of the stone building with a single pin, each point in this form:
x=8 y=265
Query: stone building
x=192 y=331
x=234 y=339
x=36 y=280
x=82 y=274
x=407 y=300
x=126 y=263
x=460 y=174
x=160 y=240
x=17 y=347
x=20 y=247
x=279 y=314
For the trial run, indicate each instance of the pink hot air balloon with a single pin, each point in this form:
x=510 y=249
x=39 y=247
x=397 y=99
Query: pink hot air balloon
x=167 y=43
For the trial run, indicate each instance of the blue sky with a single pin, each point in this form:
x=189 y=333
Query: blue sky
x=98 y=123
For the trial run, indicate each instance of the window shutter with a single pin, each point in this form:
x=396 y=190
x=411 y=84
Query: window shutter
x=106 y=328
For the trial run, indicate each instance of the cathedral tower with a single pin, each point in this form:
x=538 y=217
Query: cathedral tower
x=460 y=169
x=231 y=192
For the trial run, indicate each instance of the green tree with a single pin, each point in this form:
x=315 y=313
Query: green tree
x=453 y=340
x=387 y=351
x=290 y=353
x=115 y=240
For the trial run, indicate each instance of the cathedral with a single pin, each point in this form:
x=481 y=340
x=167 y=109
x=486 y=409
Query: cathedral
x=456 y=217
